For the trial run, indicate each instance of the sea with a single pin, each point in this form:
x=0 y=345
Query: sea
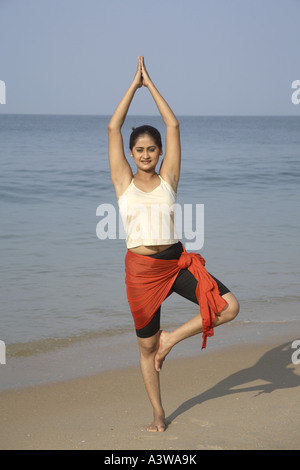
x=62 y=284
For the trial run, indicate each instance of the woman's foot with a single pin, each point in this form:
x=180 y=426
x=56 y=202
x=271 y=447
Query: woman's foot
x=158 y=425
x=164 y=348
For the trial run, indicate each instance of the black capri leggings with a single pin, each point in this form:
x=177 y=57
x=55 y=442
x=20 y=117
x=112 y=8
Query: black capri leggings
x=185 y=285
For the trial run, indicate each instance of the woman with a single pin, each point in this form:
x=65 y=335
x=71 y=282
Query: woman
x=157 y=264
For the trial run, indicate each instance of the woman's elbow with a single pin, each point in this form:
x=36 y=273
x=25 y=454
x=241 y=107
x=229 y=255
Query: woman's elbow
x=174 y=124
x=113 y=127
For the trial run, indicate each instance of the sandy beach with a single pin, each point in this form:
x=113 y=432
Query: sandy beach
x=239 y=397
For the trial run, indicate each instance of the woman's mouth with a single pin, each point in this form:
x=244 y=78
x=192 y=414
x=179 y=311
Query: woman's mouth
x=145 y=162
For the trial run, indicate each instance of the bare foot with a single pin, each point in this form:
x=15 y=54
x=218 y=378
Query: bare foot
x=158 y=425
x=164 y=348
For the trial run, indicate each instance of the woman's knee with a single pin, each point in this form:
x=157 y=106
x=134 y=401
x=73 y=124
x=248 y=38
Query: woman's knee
x=149 y=346
x=233 y=307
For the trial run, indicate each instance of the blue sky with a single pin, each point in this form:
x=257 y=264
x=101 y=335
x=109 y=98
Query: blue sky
x=207 y=57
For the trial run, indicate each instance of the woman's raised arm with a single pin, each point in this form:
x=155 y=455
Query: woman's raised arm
x=170 y=168
x=120 y=169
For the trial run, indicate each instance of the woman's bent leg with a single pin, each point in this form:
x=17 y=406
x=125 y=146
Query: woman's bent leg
x=148 y=349
x=168 y=339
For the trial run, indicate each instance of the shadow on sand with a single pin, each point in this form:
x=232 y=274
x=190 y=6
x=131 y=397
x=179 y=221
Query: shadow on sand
x=274 y=367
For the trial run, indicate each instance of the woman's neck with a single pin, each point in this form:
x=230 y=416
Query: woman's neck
x=145 y=176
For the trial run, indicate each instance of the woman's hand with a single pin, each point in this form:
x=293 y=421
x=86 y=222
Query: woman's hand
x=145 y=76
x=138 y=79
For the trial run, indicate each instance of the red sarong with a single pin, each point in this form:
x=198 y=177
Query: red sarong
x=149 y=281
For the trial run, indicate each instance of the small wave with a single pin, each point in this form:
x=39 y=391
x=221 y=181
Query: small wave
x=261 y=322
x=46 y=345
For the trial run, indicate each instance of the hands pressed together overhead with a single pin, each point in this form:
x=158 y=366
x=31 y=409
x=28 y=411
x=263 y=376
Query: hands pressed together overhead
x=141 y=77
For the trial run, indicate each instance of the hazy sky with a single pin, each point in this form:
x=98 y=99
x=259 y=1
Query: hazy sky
x=207 y=57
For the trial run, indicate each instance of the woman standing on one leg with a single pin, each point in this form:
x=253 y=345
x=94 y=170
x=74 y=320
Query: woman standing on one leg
x=156 y=263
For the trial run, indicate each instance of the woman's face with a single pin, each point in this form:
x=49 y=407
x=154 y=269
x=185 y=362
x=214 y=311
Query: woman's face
x=146 y=153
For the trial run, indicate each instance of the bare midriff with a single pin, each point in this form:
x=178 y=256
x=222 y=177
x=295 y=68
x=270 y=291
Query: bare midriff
x=149 y=250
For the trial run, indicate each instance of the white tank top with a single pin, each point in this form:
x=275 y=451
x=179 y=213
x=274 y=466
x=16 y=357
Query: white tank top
x=149 y=218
